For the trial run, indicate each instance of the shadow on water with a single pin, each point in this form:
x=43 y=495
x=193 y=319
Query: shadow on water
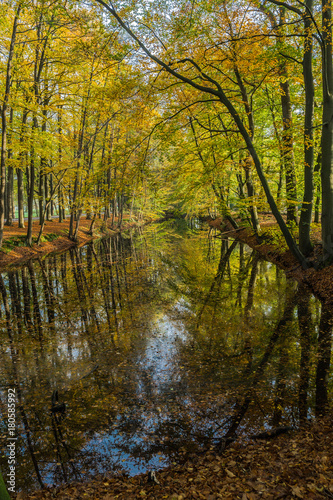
x=127 y=350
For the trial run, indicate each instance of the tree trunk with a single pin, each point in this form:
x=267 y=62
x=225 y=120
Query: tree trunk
x=324 y=357
x=31 y=185
x=20 y=197
x=306 y=211
x=317 y=170
x=19 y=171
x=4 y=124
x=288 y=151
x=327 y=134
x=287 y=136
x=41 y=191
x=248 y=163
x=10 y=180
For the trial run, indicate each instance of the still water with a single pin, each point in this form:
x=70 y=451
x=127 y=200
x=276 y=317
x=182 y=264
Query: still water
x=131 y=349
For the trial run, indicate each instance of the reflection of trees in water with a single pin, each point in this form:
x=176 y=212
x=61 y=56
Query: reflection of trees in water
x=324 y=357
x=270 y=366
x=61 y=316
x=81 y=323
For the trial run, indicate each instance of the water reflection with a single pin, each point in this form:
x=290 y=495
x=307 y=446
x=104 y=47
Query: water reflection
x=129 y=349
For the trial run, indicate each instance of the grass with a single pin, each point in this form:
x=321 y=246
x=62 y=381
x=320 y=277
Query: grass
x=14 y=242
x=49 y=237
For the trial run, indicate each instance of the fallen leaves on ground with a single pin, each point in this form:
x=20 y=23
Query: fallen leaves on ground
x=21 y=254
x=295 y=466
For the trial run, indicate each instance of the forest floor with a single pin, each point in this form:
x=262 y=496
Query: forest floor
x=55 y=239
x=297 y=465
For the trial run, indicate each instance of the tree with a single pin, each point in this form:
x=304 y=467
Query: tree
x=199 y=79
x=4 y=120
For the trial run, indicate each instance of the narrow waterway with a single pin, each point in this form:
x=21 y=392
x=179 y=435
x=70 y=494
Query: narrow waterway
x=130 y=349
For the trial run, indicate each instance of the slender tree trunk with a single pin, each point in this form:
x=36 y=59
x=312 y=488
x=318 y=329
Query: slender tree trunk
x=4 y=123
x=10 y=180
x=46 y=188
x=51 y=209
x=31 y=184
x=61 y=213
x=248 y=163
x=306 y=212
x=41 y=192
x=327 y=133
x=19 y=171
x=287 y=136
x=288 y=151
x=109 y=176
x=317 y=170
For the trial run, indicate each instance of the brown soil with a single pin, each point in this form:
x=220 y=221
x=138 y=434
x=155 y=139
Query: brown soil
x=295 y=466
x=20 y=254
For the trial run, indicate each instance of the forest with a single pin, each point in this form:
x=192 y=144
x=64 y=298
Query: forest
x=160 y=342
x=208 y=108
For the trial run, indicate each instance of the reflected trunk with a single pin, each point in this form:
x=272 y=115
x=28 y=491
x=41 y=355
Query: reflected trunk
x=324 y=358
x=306 y=334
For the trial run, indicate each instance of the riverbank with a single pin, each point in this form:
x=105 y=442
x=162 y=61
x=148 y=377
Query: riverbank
x=294 y=466
x=55 y=239
x=272 y=247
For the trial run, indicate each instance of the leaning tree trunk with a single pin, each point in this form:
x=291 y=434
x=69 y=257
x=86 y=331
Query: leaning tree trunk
x=218 y=91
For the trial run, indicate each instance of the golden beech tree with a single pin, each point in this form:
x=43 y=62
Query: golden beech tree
x=95 y=110
x=190 y=46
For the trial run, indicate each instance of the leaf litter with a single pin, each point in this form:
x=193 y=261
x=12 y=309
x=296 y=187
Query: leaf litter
x=298 y=465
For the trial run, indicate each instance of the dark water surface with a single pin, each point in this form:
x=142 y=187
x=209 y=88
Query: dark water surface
x=129 y=349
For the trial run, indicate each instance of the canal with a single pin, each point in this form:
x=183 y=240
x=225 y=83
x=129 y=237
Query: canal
x=132 y=351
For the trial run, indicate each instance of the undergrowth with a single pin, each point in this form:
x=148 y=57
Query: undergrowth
x=21 y=241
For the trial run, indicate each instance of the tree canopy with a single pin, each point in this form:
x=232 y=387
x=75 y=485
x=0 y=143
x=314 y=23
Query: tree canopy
x=207 y=107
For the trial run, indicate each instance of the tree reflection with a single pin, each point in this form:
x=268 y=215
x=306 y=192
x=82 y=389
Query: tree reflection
x=154 y=343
